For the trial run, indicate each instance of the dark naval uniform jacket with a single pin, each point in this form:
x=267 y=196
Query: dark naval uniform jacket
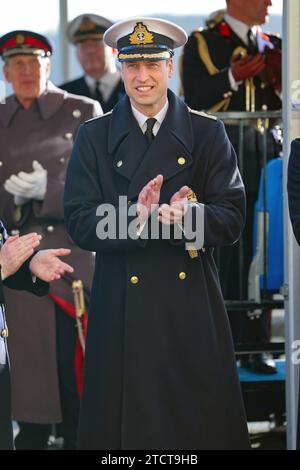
x=80 y=87
x=293 y=187
x=45 y=133
x=205 y=64
x=21 y=280
x=206 y=86
x=160 y=370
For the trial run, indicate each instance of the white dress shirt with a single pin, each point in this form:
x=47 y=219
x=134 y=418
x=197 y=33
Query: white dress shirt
x=141 y=118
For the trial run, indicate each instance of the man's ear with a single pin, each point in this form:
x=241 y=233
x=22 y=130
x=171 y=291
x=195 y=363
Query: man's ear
x=170 y=67
x=48 y=69
x=121 y=71
x=6 y=73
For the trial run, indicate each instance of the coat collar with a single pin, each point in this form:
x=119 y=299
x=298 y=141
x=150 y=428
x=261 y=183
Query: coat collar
x=134 y=160
x=123 y=122
x=51 y=101
x=8 y=110
x=262 y=39
x=48 y=104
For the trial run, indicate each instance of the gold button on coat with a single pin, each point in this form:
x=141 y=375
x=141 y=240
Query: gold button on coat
x=182 y=275
x=4 y=333
x=181 y=160
x=68 y=135
x=1 y=163
x=76 y=113
x=134 y=279
x=50 y=228
x=119 y=163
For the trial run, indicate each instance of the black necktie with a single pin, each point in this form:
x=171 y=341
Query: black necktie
x=97 y=93
x=252 y=44
x=149 y=131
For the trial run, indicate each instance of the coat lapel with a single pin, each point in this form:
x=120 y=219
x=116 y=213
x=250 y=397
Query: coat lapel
x=8 y=110
x=126 y=142
x=169 y=154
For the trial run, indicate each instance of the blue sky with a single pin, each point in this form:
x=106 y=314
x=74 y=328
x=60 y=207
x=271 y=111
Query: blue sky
x=43 y=15
x=135 y=7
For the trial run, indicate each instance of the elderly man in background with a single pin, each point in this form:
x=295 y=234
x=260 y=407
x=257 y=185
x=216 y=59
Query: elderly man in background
x=101 y=80
x=37 y=127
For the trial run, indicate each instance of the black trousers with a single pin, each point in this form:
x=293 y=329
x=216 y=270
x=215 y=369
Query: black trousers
x=35 y=436
x=6 y=434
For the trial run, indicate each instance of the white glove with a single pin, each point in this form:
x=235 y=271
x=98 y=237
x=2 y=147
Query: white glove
x=25 y=186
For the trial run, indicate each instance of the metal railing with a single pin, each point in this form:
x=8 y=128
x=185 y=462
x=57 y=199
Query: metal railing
x=262 y=121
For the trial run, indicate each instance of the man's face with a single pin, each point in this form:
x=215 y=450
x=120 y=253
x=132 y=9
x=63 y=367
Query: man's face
x=255 y=10
x=146 y=83
x=258 y=10
x=92 y=57
x=28 y=75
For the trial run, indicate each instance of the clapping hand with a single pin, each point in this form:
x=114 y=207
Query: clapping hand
x=149 y=198
x=15 y=251
x=47 y=266
x=175 y=211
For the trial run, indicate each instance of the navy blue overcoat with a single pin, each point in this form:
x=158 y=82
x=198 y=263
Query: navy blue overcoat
x=160 y=370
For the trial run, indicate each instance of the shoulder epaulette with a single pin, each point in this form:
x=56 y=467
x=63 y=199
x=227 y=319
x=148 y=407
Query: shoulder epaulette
x=202 y=114
x=99 y=117
x=198 y=30
x=215 y=18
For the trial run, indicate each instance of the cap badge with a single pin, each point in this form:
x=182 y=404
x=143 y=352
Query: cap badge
x=20 y=39
x=141 y=35
x=86 y=24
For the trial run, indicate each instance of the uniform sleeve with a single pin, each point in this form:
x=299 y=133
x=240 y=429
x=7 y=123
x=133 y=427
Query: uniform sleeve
x=224 y=194
x=2 y=241
x=83 y=195
x=201 y=90
x=293 y=187
x=218 y=220
x=22 y=280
